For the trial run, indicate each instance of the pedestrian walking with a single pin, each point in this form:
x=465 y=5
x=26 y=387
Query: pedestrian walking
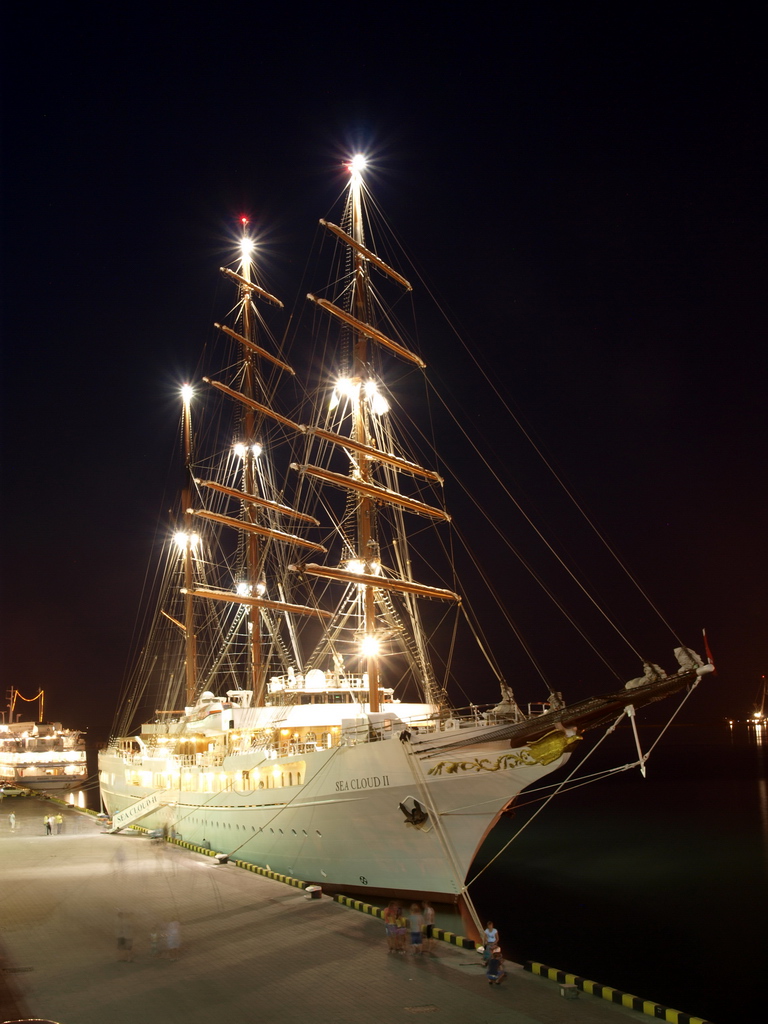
x=124 y=935
x=429 y=921
x=12 y=821
x=173 y=939
x=390 y=927
x=59 y=824
x=416 y=923
x=402 y=930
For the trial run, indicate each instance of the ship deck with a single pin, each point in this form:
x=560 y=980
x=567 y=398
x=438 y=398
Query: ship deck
x=251 y=946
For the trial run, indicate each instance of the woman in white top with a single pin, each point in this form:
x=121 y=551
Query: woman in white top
x=491 y=936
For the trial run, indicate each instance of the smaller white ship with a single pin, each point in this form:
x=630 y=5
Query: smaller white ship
x=41 y=756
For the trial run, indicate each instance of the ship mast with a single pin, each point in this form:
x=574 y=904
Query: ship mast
x=187 y=538
x=369 y=446
x=260 y=505
x=365 y=510
x=252 y=541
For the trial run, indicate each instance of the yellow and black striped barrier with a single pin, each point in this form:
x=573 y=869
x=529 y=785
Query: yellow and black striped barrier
x=455 y=940
x=613 y=995
x=208 y=852
x=286 y=879
x=365 y=908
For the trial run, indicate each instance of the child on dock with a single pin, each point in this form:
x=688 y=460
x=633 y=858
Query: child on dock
x=495 y=972
x=390 y=926
x=402 y=930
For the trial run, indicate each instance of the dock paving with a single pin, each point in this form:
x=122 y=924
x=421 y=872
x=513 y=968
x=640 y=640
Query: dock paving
x=252 y=949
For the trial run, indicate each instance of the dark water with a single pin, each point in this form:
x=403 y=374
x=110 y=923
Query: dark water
x=656 y=886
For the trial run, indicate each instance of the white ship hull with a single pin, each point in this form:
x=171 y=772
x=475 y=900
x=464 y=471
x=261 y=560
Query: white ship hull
x=343 y=826
x=44 y=783
x=42 y=757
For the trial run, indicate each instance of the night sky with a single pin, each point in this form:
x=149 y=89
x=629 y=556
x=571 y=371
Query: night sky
x=582 y=187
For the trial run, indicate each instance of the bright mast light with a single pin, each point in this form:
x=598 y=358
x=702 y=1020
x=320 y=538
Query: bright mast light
x=187 y=393
x=247 y=244
x=186 y=541
x=241 y=450
x=370 y=646
x=379 y=404
x=357 y=164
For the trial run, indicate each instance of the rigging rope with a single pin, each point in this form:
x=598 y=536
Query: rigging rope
x=287 y=803
x=561 y=787
x=548 y=465
x=542 y=538
x=558 y=789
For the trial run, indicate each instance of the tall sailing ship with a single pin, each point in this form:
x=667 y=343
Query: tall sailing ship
x=297 y=670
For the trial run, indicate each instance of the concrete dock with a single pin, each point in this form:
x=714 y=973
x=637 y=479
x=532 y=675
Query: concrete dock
x=252 y=949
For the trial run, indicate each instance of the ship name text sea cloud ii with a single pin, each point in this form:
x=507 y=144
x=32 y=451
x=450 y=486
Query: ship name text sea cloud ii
x=295 y=682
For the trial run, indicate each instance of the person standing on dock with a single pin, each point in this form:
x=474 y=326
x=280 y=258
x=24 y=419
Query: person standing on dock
x=12 y=821
x=47 y=823
x=59 y=824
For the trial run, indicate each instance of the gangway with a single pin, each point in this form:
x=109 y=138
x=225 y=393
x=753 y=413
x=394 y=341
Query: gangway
x=136 y=811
